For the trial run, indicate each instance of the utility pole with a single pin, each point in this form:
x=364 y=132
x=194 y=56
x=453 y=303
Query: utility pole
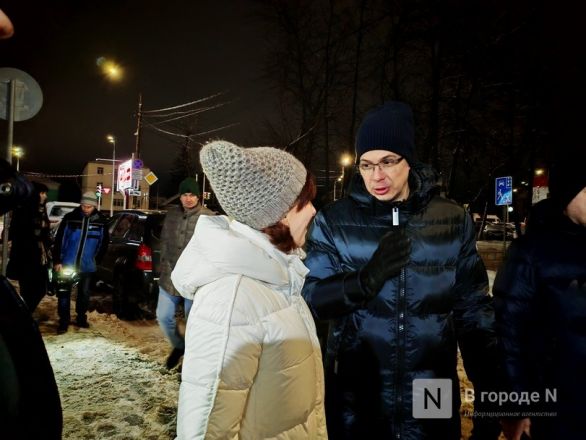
x=10 y=107
x=138 y=127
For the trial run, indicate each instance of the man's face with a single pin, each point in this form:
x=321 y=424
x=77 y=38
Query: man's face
x=386 y=181
x=189 y=200
x=87 y=209
x=42 y=197
x=576 y=209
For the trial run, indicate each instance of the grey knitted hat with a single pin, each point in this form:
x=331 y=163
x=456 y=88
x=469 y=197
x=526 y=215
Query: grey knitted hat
x=89 y=198
x=256 y=186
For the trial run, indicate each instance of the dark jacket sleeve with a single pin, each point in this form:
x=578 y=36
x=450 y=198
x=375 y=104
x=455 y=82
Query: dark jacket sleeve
x=165 y=233
x=475 y=329
x=104 y=242
x=516 y=314
x=58 y=244
x=326 y=286
x=474 y=313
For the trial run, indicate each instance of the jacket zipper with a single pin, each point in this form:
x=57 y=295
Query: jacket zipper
x=400 y=355
x=84 y=229
x=400 y=344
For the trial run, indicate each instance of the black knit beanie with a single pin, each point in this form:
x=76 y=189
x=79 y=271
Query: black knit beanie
x=387 y=127
x=189 y=185
x=567 y=178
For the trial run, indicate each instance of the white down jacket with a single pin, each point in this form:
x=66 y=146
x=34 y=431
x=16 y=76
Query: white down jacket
x=252 y=367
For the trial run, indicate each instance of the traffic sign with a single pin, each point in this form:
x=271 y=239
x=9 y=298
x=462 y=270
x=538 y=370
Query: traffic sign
x=137 y=164
x=151 y=178
x=106 y=190
x=136 y=174
x=503 y=191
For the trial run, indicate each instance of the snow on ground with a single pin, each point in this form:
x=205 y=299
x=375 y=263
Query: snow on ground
x=111 y=377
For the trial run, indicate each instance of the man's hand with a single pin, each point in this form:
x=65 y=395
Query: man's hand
x=391 y=255
x=57 y=267
x=514 y=429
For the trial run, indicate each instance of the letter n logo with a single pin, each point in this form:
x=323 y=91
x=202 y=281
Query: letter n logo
x=432 y=398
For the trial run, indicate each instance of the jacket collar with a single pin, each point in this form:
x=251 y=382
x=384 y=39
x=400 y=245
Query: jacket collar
x=423 y=185
x=193 y=211
x=223 y=246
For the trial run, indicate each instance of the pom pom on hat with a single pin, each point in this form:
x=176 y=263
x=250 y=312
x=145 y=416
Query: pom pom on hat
x=256 y=186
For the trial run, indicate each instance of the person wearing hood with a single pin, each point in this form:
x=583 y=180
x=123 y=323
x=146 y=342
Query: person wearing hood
x=394 y=267
x=252 y=367
x=540 y=301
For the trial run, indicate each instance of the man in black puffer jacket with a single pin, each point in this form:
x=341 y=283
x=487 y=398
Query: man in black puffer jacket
x=540 y=301
x=394 y=267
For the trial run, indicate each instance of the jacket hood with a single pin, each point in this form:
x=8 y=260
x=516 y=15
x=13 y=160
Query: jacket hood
x=423 y=185
x=221 y=247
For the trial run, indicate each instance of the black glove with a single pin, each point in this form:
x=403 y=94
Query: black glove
x=391 y=255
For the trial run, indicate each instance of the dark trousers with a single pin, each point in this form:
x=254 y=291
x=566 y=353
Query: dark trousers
x=82 y=301
x=33 y=287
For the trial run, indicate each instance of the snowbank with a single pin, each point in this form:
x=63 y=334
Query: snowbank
x=111 y=377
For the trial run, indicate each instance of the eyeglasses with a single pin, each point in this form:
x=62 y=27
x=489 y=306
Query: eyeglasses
x=385 y=164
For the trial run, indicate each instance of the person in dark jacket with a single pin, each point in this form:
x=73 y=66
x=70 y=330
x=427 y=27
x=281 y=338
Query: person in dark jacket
x=29 y=253
x=81 y=241
x=29 y=399
x=540 y=301
x=177 y=230
x=394 y=267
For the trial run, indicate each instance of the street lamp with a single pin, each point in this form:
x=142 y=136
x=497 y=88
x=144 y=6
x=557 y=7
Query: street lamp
x=17 y=152
x=110 y=69
x=344 y=161
x=112 y=140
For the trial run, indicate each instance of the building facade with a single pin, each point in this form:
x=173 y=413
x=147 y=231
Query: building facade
x=98 y=173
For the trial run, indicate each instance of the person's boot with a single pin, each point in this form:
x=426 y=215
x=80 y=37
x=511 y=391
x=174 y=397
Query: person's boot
x=62 y=328
x=174 y=358
x=81 y=322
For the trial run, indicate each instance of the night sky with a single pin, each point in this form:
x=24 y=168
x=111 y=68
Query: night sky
x=173 y=52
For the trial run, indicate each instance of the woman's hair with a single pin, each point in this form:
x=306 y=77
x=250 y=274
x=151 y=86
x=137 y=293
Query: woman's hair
x=279 y=233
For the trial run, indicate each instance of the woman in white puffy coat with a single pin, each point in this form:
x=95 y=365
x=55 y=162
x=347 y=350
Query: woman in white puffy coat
x=252 y=367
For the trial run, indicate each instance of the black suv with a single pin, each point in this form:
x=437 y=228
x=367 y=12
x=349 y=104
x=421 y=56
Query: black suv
x=131 y=264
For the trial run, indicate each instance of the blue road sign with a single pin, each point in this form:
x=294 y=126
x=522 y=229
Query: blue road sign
x=503 y=192
x=137 y=164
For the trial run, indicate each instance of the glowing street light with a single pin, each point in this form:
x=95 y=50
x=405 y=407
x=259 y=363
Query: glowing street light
x=346 y=160
x=112 y=140
x=110 y=69
x=17 y=152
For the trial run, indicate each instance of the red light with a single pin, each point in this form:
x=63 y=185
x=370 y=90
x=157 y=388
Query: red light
x=144 y=258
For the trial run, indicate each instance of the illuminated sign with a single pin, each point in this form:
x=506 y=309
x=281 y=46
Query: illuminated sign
x=125 y=175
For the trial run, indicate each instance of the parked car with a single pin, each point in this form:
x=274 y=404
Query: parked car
x=56 y=211
x=131 y=264
x=495 y=231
